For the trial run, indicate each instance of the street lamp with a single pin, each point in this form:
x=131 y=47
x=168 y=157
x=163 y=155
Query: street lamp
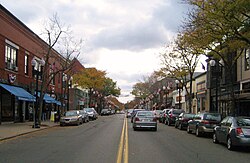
x=35 y=71
x=179 y=87
x=166 y=93
x=215 y=64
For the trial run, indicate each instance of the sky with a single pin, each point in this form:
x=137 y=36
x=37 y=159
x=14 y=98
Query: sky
x=122 y=37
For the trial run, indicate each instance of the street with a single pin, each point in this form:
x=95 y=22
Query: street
x=98 y=141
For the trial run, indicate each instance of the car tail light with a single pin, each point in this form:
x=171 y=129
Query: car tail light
x=164 y=115
x=171 y=115
x=239 y=132
x=205 y=122
x=137 y=119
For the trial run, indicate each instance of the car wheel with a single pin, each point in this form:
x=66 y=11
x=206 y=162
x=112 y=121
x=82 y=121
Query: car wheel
x=197 y=132
x=215 y=140
x=229 y=144
x=188 y=130
x=180 y=126
x=155 y=129
x=134 y=128
x=175 y=125
x=169 y=123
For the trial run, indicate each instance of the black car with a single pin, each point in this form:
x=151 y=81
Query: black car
x=171 y=116
x=182 y=120
x=203 y=123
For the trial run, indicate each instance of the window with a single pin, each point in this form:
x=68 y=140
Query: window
x=247 y=60
x=11 y=56
x=26 y=63
x=51 y=72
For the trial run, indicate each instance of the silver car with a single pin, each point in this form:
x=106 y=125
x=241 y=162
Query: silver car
x=233 y=131
x=91 y=113
x=145 y=120
x=72 y=117
x=85 y=117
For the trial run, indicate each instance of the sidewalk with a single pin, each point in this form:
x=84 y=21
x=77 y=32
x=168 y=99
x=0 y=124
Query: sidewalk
x=10 y=129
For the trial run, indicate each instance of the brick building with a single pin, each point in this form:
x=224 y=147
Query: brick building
x=18 y=46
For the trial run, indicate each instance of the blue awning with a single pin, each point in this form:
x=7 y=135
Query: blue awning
x=20 y=93
x=50 y=100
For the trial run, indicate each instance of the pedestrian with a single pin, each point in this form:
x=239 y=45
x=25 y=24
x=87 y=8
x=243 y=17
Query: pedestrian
x=30 y=113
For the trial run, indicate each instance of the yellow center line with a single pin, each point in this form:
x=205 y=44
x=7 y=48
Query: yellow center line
x=119 y=154
x=126 y=144
x=123 y=145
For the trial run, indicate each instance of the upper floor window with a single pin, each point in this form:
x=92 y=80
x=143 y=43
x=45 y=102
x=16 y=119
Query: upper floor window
x=201 y=86
x=11 y=51
x=52 y=75
x=247 y=60
x=26 y=63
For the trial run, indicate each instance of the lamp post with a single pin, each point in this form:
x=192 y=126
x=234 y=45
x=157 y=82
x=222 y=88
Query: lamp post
x=179 y=87
x=35 y=71
x=69 y=86
x=215 y=64
x=166 y=95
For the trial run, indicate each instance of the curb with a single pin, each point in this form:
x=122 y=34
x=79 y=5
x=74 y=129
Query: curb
x=26 y=133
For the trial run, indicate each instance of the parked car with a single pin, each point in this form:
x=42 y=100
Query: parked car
x=203 y=123
x=162 y=116
x=134 y=113
x=182 y=120
x=129 y=112
x=105 y=112
x=157 y=113
x=145 y=120
x=91 y=113
x=85 y=117
x=112 y=111
x=171 y=116
x=72 y=117
x=233 y=131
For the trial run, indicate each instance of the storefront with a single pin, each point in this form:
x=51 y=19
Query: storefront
x=14 y=103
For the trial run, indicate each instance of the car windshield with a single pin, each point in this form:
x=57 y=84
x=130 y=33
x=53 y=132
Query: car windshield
x=243 y=122
x=177 y=111
x=71 y=113
x=158 y=111
x=145 y=114
x=188 y=115
x=88 y=109
x=213 y=117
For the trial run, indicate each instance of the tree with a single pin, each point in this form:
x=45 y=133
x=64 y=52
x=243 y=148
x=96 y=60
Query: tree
x=90 y=78
x=56 y=35
x=222 y=30
x=180 y=61
x=110 y=88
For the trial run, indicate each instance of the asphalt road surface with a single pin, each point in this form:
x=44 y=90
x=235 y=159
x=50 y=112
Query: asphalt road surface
x=110 y=140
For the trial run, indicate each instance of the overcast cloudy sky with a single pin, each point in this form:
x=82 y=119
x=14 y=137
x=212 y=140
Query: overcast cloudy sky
x=122 y=37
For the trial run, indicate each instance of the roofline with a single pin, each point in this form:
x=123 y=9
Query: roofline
x=27 y=28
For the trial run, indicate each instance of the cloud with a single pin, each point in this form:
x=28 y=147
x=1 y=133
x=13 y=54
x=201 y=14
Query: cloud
x=121 y=37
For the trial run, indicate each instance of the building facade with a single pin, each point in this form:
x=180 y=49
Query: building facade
x=18 y=47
